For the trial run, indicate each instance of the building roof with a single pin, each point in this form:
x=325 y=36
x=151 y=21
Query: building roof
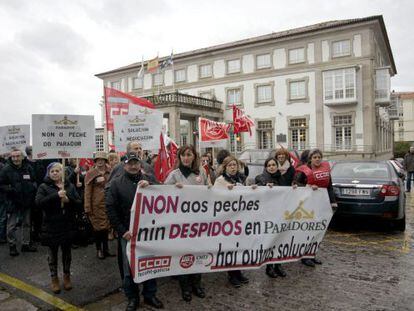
x=273 y=36
x=404 y=95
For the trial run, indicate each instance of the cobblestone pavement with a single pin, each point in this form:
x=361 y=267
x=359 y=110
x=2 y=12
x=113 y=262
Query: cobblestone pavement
x=366 y=266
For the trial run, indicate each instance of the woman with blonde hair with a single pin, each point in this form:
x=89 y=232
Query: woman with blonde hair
x=58 y=201
x=230 y=176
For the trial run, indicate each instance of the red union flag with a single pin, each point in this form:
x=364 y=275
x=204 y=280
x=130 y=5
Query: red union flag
x=117 y=103
x=241 y=122
x=212 y=130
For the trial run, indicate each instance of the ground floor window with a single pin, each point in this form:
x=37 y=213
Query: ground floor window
x=298 y=133
x=265 y=134
x=343 y=132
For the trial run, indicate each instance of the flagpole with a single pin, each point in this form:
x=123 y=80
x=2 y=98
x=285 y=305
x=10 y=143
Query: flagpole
x=173 y=72
x=143 y=73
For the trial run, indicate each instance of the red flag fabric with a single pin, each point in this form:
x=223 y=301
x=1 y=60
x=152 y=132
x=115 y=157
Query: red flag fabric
x=241 y=122
x=212 y=130
x=172 y=153
x=294 y=159
x=86 y=163
x=117 y=103
x=161 y=165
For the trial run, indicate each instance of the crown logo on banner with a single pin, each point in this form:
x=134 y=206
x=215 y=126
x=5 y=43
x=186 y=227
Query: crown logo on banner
x=66 y=121
x=136 y=121
x=299 y=213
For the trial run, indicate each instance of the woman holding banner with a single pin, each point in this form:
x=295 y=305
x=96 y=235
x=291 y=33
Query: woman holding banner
x=316 y=174
x=271 y=176
x=230 y=176
x=58 y=201
x=187 y=172
x=95 y=181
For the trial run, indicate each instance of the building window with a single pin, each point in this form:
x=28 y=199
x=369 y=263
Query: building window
x=401 y=135
x=340 y=85
x=158 y=79
x=183 y=139
x=239 y=142
x=264 y=94
x=343 y=132
x=233 y=66
x=137 y=83
x=116 y=85
x=179 y=75
x=298 y=133
x=206 y=94
x=234 y=97
x=205 y=71
x=263 y=61
x=341 y=48
x=297 y=90
x=265 y=134
x=99 y=142
x=400 y=123
x=382 y=84
x=297 y=56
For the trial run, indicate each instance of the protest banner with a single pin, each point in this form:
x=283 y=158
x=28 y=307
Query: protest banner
x=144 y=127
x=198 y=230
x=63 y=136
x=14 y=136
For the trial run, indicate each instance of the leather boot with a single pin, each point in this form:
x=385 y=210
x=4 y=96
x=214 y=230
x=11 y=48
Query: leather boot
x=67 y=284
x=54 y=285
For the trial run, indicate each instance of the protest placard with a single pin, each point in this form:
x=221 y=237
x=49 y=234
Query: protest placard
x=198 y=230
x=63 y=136
x=14 y=136
x=144 y=127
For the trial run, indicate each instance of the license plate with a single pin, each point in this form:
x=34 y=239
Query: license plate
x=351 y=191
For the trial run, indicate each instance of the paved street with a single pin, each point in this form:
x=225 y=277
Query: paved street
x=365 y=267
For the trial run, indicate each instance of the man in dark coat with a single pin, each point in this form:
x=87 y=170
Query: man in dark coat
x=119 y=197
x=17 y=181
x=3 y=210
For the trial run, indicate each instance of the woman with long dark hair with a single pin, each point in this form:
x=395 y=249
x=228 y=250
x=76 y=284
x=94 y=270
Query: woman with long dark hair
x=316 y=174
x=187 y=172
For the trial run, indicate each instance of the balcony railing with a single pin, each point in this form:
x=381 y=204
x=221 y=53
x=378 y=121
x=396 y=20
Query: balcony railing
x=184 y=99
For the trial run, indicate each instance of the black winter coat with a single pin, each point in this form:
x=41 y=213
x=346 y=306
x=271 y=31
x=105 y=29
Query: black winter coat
x=119 y=197
x=59 y=224
x=287 y=178
x=19 y=185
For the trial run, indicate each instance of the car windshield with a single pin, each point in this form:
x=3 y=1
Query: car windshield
x=360 y=170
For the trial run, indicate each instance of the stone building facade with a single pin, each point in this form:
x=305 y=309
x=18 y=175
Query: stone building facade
x=325 y=85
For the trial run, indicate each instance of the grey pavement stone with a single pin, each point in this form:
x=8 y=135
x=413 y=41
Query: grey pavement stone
x=17 y=304
x=4 y=295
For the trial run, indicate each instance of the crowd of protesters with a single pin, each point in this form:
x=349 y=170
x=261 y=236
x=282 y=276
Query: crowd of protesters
x=64 y=206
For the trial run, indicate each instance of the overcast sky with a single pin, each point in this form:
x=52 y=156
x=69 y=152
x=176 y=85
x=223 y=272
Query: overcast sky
x=51 y=49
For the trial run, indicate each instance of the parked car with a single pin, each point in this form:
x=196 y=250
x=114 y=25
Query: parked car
x=399 y=168
x=370 y=188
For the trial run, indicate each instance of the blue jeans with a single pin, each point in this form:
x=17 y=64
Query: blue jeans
x=131 y=289
x=409 y=177
x=3 y=220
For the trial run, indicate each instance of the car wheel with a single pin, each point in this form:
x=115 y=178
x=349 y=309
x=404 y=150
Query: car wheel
x=399 y=224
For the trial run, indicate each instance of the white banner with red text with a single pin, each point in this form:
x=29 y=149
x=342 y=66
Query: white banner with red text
x=197 y=230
